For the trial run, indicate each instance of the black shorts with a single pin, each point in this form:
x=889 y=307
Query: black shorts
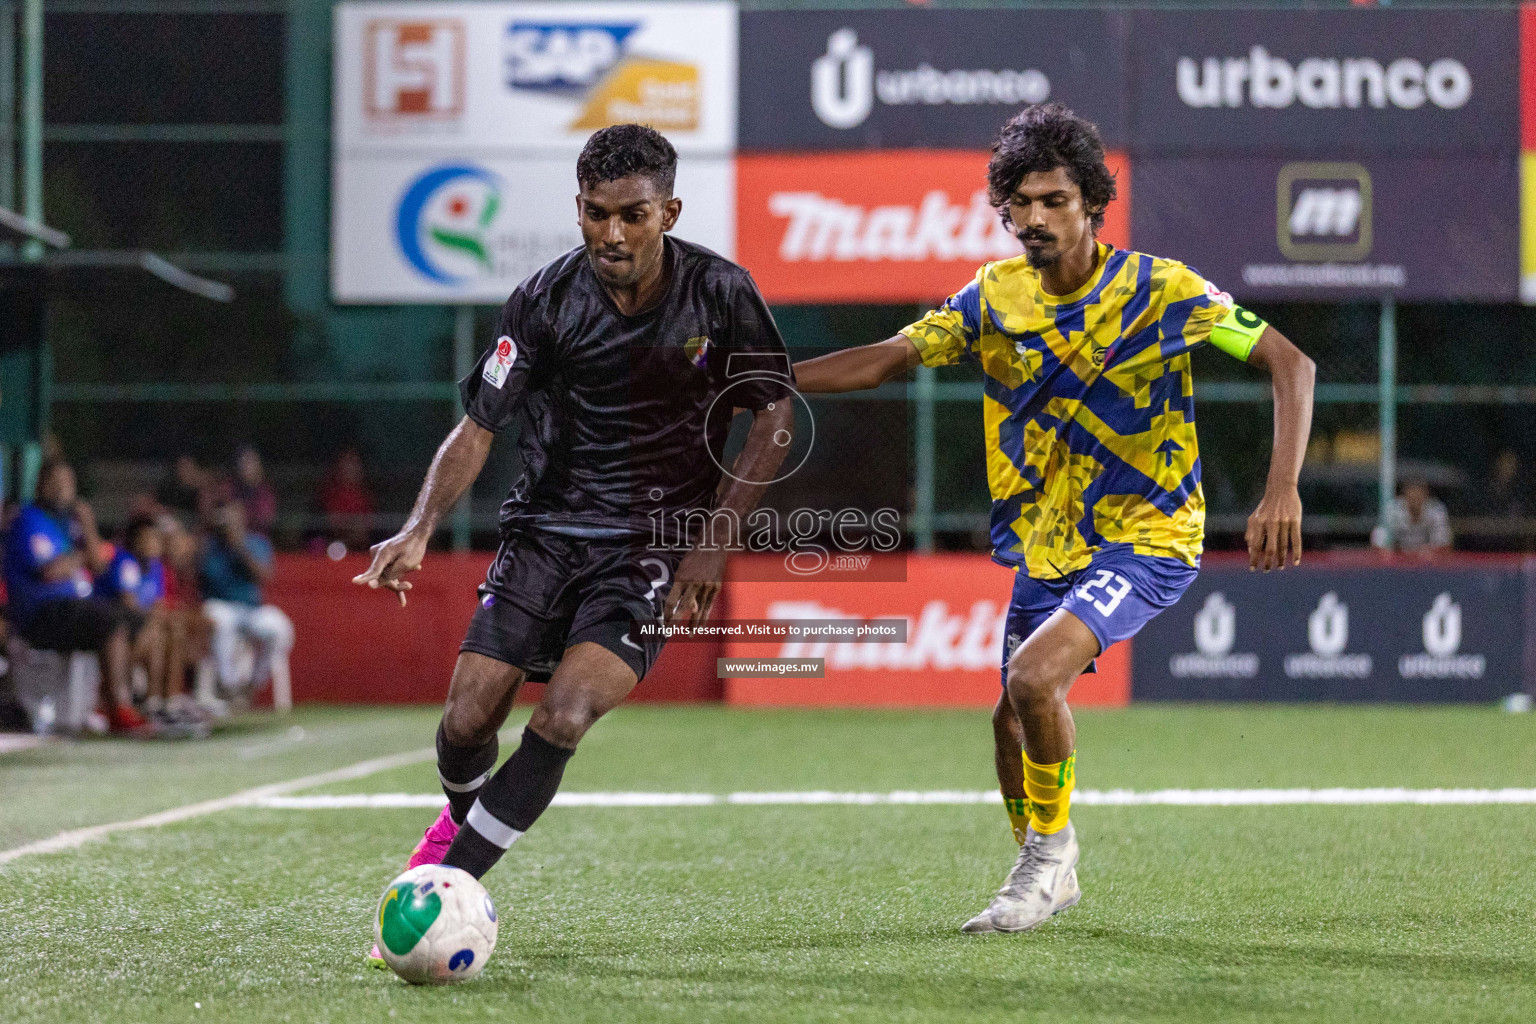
x=67 y=626
x=547 y=592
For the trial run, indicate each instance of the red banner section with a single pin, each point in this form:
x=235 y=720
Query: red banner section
x=890 y=226
x=955 y=607
x=359 y=646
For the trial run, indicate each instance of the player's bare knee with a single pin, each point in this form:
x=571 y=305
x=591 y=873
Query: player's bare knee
x=464 y=725
x=1031 y=682
x=562 y=724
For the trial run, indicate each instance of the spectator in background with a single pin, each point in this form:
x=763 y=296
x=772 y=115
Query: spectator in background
x=1506 y=495
x=233 y=566
x=250 y=488
x=1417 y=521
x=345 y=501
x=185 y=491
x=136 y=579
x=51 y=550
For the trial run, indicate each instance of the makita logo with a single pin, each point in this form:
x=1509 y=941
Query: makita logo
x=939 y=639
x=845 y=84
x=825 y=228
x=1333 y=212
x=1322 y=83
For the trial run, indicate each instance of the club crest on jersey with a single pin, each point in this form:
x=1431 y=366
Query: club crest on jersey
x=697 y=351
x=499 y=363
x=1218 y=296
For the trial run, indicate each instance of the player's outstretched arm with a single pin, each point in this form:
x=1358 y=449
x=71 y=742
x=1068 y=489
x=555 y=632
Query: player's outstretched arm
x=1274 y=529
x=457 y=462
x=857 y=369
x=697 y=581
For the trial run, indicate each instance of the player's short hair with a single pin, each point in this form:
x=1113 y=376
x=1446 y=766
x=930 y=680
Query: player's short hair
x=1042 y=137
x=136 y=526
x=625 y=149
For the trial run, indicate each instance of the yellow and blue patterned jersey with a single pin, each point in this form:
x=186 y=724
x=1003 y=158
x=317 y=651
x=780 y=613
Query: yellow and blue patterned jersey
x=1089 y=406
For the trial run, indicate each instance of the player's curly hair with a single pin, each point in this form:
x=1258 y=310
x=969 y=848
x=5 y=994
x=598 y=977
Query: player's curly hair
x=624 y=149
x=1042 y=137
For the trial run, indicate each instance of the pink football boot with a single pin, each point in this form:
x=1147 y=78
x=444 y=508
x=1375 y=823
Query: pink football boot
x=431 y=850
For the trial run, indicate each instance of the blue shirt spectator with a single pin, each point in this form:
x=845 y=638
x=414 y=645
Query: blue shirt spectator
x=224 y=575
x=37 y=538
x=124 y=575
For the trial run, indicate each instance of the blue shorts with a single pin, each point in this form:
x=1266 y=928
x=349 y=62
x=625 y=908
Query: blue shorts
x=1116 y=594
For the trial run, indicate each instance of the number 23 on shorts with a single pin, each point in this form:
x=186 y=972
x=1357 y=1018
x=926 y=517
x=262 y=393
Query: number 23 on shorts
x=1114 y=586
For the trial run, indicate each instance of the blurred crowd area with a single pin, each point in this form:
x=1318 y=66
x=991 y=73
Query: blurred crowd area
x=155 y=624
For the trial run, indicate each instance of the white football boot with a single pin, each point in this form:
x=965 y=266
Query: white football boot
x=1042 y=883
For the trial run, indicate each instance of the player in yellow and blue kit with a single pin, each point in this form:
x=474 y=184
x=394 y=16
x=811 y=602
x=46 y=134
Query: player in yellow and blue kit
x=1091 y=457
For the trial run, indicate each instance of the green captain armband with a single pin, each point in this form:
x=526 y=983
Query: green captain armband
x=1238 y=332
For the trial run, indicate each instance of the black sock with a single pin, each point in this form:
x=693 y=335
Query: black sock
x=509 y=804
x=462 y=771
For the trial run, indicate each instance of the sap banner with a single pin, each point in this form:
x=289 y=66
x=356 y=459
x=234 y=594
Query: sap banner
x=457 y=125
x=1309 y=82
x=1337 y=229
x=1351 y=634
x=469 y=230
x=942 y=79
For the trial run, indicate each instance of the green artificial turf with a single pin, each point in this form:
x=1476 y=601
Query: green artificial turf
x=1394 y=913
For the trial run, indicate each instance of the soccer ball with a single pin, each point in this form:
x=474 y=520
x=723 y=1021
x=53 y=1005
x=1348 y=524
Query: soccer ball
x=436 y=925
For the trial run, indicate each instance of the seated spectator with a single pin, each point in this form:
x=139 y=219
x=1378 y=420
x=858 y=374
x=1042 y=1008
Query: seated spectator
x=136 y=579
x=1417 y=522
x=232 y=567
x=345 y=501
x=51 y=550
x=186 y=490
x=250 y=488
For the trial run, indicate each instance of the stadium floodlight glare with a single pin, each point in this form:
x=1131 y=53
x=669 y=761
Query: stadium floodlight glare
x=173 y=275
x=32 y=229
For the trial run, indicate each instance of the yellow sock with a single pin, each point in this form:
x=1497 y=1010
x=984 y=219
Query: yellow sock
x=1018 y=816
x=1049 y=788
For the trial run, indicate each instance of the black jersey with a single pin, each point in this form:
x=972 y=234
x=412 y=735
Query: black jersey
x=624 y=417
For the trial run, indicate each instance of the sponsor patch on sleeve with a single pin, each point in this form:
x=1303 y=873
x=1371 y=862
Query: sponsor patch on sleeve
x=1218 y=296
x=499 y=363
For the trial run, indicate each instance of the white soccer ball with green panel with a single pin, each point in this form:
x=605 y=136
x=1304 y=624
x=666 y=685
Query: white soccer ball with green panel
x=436 y=925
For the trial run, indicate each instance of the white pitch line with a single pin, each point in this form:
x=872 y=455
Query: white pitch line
x=246 y=798
x=1087 y=797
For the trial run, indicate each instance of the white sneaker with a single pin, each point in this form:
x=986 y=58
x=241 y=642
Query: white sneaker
x=1042 y=883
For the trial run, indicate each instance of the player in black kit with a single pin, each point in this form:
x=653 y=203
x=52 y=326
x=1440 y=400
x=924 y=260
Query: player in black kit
x=623 y=361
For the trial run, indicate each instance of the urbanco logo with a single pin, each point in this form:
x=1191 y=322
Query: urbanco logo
x=1215 y=636
x=1442 y=657
x=1328 y=636
x=1321 y=83
x=845 y=84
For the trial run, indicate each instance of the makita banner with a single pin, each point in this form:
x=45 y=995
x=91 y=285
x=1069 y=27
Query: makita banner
x=1412 y=227
x=903 y=226
x=942 y=79
x=954 y=607
x=1369 y=633
x=1308 y=82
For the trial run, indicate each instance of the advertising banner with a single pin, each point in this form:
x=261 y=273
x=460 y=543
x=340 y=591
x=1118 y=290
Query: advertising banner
x=534 y=77
x=954 y=606
x=898 y=226
x=1416 y=228
x=1297 y=82
x=1366 y=634
x=1528 y=153
x=469 y=230
x=814 y=80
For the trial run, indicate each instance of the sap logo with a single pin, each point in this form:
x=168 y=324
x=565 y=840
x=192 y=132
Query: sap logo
x=1323 y=212
x=563 y=58
x=413 y=69
x=1322 y=82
